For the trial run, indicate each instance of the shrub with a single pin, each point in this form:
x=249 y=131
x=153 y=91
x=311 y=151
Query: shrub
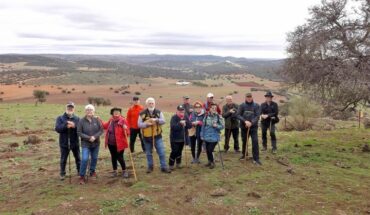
x=303 y=112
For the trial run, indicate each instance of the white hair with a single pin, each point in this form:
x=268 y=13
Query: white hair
x=229 y=97
x=150 y=99
x=90 y=106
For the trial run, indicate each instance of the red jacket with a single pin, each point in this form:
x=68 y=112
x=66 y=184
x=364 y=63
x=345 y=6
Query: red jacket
x=133 y=115
x=120 y=133
x=207 y=106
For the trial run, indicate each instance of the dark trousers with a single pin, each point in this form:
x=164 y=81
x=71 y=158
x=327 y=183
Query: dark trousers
x=210 y=147
x=228 y=133
x=176 y=153
x=272 y=135
x=133 y=134
x=64 y=153
x=116 y=156
x=195 y=149
x=254 y=135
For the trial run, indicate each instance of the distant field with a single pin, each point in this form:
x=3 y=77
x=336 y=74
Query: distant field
x=314 y=172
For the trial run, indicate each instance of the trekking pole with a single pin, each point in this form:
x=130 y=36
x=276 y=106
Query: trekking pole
x=69 y=155
x=186 y=157
x=219 y=152
x=246 y=145
x=131 y=159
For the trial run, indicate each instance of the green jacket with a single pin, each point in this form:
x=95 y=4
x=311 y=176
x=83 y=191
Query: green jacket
x=231 y=121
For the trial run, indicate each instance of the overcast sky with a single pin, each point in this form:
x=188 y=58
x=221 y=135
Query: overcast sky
x=242 y=28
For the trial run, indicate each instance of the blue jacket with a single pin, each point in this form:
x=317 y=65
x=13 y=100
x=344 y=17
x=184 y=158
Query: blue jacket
x=61 y=128
x=197 y=117
x=208 y=132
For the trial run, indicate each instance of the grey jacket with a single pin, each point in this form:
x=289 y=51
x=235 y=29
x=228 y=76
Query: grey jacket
x=86 y=129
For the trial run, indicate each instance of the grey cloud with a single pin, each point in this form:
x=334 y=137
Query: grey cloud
x=51 y=37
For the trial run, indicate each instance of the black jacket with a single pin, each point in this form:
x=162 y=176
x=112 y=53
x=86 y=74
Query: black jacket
x=177 y=130
x=271 y=110
x=86 y=129
x=61 y=128
x=249 y=111
x=231 y=120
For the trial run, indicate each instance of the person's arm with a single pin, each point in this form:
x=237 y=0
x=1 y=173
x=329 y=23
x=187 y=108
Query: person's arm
x=225 y=112
x=236 y=107
x=140 y=123
x=104 y=124
x=100 y=132
x=188 y=124
x=60 y=126
x=239 y=114
x=79 y=131
x=276 y=111
x=128 y=115
x=257 y=112
x=202 y=129
x=220 y=124
x=175 y=124
x=161 y=119
x=125 y=122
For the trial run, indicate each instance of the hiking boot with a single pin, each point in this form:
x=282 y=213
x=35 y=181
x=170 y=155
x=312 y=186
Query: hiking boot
x=264 y=149
x=257 y=162
x=114 y=174
x=242 y=157
x=165 y=170
x=208 y=164
x=274 y=151
x=93 y=175
x=125 y=174
x=172 y=168
x=62 y=177
x=212 y=165
x=149 y=170
x=81 y=180
x=179 y=166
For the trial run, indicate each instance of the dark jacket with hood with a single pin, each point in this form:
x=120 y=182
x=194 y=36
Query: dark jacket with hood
x=61 y=128
x=249 y=111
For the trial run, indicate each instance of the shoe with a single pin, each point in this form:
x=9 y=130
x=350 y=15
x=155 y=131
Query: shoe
x=114 y=174
x=125 y=174
x=62 y=177
x=198 y=161
x=257 y=162
x=93 y=174
x=149 y=170
x=264 y=149
x=81 y=180
x=212 y=165
x=172 y=168
x=208 y=164
x=242 y=157
x=166 y=170
x=274 y=151
x=178 y=166
x=237 y=151
x=194 y=161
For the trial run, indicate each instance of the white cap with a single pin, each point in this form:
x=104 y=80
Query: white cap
x=210 y=95
x=90 y=106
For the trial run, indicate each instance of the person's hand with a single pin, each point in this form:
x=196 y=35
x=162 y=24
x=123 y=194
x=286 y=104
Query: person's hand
x=70 y=124
x=92 y=139
x=215 y=124
x=248 y=124
x=182 y=122
x=149 y=123
x=264 y=116
x=232 y=111
x=194 y=123
x=153 y=120
x=124 y=127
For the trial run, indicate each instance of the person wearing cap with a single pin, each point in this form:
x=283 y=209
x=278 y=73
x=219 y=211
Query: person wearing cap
x=132 y=116
x=269 y=115
x=150 y=121
x=188 y=107
x=229 y=113
x=210 y=132
x=116 y=138
x=196 y=119
x=210 y=101
x=179 y=136
x=89 y=129
x=66 y=126
x=248 y=114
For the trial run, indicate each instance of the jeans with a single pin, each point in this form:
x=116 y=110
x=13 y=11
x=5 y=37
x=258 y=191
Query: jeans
x=272 y=135
x=159 y=146
x=133 y=134
x=116 y=156
x=176 y=153
x=228 y=133
x=64 y=153
x=194 y=147
x=210 y=147
x=254 y=135
x=93 y=152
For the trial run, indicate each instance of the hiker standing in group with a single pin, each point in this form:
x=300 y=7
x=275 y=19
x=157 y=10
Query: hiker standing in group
x=196 y=119
x=179 y=136
x=132 y=117
x=248 y=114
x=150 y=121
x=89 y=129
x=66 y=126
x=207 y=104
x=230 y=112
x=269 y=115
x=188 y=107
x=116 y=138
x=210 y=133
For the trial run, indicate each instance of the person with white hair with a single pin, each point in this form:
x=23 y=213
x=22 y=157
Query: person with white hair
x=150 y=121
x=229 y=113
x=89 y=129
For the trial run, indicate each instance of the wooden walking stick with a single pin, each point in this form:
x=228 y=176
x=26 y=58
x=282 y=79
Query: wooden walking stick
x=69 y=155
x=186 y=157
x=246 y=145
x=131 y=159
